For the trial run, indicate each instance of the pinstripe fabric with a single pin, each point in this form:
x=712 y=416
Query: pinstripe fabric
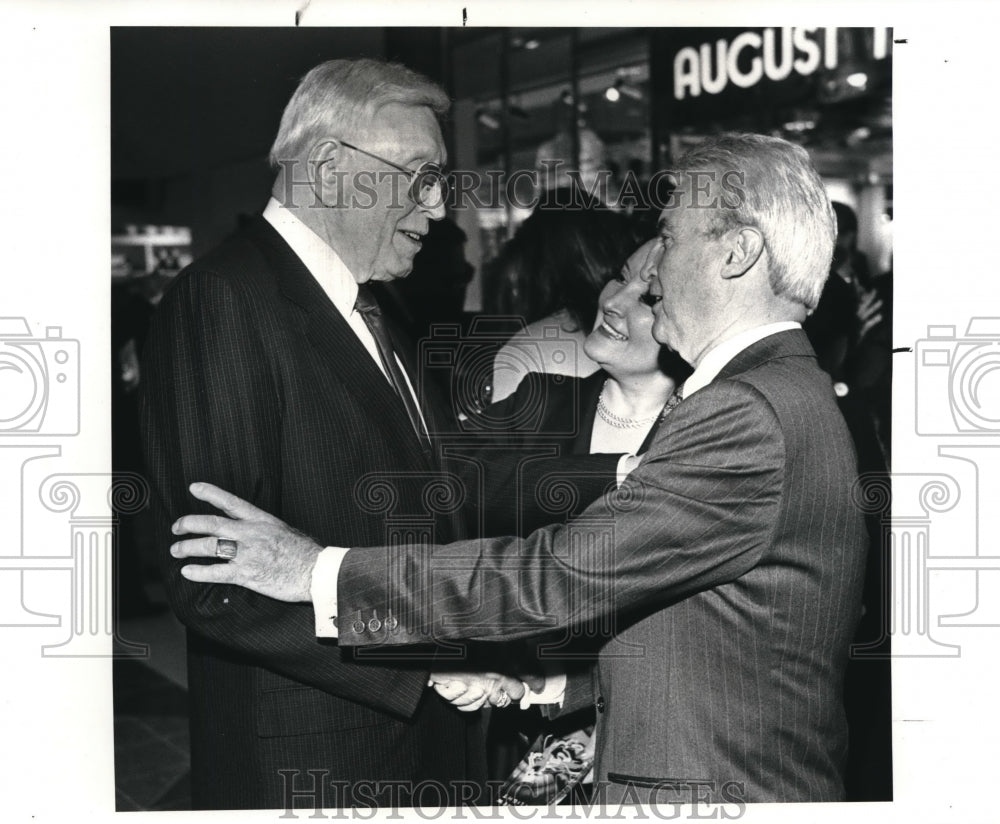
x=731 y=568
x=253 y=381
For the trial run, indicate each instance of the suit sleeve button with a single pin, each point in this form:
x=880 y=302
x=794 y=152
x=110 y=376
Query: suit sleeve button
x=600 y=703
x=374 y=625
x=391 y=623
x=358 y=626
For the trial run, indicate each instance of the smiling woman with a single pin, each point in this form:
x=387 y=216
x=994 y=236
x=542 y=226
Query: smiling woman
x=639 y=380
x=555 y=267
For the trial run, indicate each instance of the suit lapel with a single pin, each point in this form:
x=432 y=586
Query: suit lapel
x=330 y=334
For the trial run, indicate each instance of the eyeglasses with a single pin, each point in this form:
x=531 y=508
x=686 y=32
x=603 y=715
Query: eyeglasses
x=428 y=183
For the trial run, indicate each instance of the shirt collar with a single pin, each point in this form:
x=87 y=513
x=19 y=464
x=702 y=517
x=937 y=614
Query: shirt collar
x=319 y=258
x=718 y=356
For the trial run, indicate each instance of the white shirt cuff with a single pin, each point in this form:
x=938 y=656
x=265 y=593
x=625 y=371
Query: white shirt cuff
x=626 y=463
x=323 y=589
x=554 y=692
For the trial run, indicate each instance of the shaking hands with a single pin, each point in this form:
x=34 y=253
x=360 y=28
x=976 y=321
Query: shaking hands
x=469 y=691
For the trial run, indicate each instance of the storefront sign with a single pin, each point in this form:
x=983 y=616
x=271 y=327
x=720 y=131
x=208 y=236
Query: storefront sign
x=715 y=73
x=749 y=57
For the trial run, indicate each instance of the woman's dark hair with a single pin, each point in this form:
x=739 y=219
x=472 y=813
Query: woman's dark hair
x=560 y=258
x=847 y=220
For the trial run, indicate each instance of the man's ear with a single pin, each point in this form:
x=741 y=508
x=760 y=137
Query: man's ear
x=748 y=243
x=323 y=159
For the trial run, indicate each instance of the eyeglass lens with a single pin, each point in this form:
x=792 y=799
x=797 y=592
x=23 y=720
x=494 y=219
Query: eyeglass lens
x=429 y=187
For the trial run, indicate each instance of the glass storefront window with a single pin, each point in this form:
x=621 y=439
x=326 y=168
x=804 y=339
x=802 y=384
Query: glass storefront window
x=562 y=100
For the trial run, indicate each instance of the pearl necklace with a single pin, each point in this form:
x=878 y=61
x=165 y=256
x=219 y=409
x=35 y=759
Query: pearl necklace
x=617 y=421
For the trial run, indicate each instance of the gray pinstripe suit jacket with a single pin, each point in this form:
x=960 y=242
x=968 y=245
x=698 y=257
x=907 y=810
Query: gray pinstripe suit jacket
x=727 y=574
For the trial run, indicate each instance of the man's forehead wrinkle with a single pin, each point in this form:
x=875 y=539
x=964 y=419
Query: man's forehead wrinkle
x=409 y=145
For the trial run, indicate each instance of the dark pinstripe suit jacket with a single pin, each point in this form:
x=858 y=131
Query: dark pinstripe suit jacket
x=253 y=381
x=728 y=573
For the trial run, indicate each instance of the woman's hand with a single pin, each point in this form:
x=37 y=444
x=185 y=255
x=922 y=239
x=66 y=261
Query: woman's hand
x=469 y=691
x=271 y=558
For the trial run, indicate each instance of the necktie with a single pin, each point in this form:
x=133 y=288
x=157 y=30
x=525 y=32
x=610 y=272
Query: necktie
x=372 y=315
x=675 y=398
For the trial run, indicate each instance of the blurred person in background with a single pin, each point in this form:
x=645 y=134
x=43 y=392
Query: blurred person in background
x=850 y=330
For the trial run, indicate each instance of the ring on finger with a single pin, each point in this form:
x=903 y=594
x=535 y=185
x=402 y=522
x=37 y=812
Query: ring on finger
x=226 y=548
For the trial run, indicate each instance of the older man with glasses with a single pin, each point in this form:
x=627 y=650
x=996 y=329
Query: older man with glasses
x=270 y=370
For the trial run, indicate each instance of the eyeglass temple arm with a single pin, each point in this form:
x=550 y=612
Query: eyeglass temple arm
x=395 y=166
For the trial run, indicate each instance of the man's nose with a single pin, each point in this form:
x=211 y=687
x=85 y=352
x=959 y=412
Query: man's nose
x=651 y=267
x=435 y=212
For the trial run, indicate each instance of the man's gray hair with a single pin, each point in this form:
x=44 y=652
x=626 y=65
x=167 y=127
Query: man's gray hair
x=338 y=97
x=776 y=189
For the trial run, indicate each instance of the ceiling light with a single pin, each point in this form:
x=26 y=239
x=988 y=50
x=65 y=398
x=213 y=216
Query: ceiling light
x=532 y=44
x=857 y=80
x=484 y=118
x=621 y=87
x=800 y=125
